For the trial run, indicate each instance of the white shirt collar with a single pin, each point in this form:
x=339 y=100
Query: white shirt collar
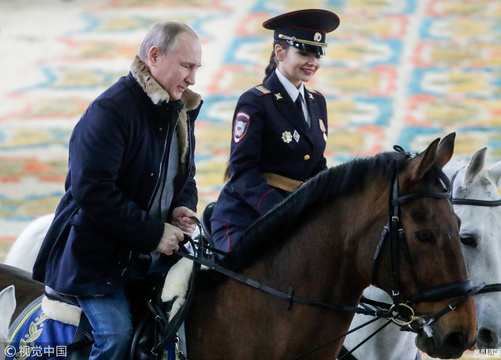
x=289 y=87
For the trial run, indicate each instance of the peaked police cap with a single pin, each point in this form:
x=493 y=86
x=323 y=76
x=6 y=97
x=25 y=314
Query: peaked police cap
x=304 y=29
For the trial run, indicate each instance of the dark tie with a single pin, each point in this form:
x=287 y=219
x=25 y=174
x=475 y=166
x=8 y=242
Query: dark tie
x=299 y=104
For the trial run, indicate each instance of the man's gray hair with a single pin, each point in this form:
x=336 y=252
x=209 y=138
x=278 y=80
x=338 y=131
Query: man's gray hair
x=165 y=35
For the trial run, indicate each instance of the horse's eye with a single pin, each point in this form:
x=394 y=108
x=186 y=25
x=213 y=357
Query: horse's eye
x=469 y=240
x=426 y=236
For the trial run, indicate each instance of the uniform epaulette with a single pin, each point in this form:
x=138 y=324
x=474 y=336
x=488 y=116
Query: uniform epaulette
x=313 y=91
x=261 y=90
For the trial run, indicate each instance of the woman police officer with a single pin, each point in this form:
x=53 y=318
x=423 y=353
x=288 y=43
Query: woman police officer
x=279 y=127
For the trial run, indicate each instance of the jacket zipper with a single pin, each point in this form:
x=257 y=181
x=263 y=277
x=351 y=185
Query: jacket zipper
x=155 y=189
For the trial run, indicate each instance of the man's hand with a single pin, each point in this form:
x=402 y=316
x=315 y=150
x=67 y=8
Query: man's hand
x=181 y=218
x=170 y=238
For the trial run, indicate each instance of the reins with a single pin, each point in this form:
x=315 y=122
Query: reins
x=288 y=297
x=462 y=290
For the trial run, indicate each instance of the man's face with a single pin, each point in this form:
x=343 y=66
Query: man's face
x=176 y=71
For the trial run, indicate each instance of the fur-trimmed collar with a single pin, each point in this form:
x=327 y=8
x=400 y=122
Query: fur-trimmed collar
x=156 y=93
x=191 y=100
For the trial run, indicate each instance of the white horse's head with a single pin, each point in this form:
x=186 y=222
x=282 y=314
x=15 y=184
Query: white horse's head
x=7 y=307
x=480 y=235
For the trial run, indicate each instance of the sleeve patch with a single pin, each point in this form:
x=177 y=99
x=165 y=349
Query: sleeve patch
x=241 y=125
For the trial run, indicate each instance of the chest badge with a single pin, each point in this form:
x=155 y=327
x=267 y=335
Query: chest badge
x=286 y=137
x=323 y=128
x=322 y=125
x=278 y=96
x=296 y=136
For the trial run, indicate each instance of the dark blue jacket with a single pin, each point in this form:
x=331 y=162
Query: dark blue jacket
x=269 y=135
x=115 y=155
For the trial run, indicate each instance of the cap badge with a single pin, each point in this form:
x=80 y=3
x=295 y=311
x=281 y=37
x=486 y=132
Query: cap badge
x=286 y=137
x=318 y=37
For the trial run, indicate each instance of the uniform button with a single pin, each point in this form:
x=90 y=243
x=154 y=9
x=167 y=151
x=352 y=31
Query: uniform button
x=160 y=129
x=152 y=174
x=307 y=157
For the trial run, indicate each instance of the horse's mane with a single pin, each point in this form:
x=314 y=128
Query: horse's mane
x=272 y=229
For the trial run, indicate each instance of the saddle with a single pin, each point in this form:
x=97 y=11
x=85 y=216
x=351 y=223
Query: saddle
x=205 y=237
x=57 y=319
x=170 y=312
x=34 y=329
x=157 y=314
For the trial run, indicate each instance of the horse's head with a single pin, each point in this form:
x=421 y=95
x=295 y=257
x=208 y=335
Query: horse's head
x=426 y=265
x=477 y=202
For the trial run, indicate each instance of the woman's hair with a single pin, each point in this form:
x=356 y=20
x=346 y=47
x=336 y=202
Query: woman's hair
x=273 y=60
x=165 y=35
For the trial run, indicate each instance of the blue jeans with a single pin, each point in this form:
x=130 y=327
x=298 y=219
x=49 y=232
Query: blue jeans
x=111 y=321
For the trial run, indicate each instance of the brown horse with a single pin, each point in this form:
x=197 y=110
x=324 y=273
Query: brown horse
x=321 y=242
x=26 y=289
x=325 y=244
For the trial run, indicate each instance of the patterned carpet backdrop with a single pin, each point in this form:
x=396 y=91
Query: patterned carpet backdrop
x=396 y=72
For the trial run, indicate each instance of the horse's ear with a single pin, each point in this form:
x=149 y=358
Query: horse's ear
x=422 y=162
x=495 y=171
x=7 y=307
x=475 y=165
x=445 y=150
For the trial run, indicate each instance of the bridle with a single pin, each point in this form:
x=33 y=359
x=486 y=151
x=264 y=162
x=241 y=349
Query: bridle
x=403 y=312
x=464 y=288
x=400 y=312
x=477 y=202
x=472 y=202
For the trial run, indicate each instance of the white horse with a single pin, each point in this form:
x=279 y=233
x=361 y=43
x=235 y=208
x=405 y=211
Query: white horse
x=480 y=231
x=24 y=251
x=8 y=305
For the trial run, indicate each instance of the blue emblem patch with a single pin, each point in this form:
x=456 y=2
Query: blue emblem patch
x=241 y=125
x=34 y=335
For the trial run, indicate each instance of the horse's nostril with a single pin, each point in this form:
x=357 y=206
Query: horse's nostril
x=456 y=340
x=486 y=339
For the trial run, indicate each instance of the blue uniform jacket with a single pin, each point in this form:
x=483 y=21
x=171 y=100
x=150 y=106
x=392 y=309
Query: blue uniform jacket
x=115 y=154
x=269 y=135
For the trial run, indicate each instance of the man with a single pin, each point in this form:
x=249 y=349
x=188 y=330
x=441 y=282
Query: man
x=130 y=187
